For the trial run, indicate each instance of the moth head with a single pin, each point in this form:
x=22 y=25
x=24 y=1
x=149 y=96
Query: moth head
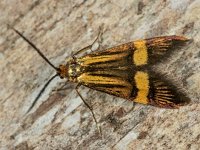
x=62 y=71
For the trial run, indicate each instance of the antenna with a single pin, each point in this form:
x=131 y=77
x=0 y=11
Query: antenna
x=41 y=91
x=42 y=55
x=35 y=48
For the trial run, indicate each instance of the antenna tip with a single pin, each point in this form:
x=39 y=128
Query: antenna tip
x=11 y=27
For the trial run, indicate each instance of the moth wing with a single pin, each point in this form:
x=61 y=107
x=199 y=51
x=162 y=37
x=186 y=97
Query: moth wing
x=107 y=83
x=163 y=93
x=161 y=47
x=117 y=71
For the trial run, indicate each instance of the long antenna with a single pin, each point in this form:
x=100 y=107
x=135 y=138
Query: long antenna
x=35 y=48
x=41 y=91
x=42 y=55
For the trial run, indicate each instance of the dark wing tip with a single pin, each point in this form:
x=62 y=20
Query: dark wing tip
x=161 y=47
x=164 y=94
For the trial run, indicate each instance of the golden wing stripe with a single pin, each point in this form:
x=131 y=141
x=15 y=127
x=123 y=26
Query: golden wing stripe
x=142 y=84
x=140 y=55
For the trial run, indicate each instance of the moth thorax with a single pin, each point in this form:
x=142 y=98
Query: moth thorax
x=74 y=71
x=63 y=71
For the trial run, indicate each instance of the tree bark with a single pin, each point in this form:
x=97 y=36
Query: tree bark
x=60 y=120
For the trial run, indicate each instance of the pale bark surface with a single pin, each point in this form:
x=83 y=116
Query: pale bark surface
x=60 y=120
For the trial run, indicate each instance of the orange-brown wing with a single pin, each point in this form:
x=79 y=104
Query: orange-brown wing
x=125 y=71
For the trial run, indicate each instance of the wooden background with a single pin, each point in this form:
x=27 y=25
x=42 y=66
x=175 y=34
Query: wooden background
x=60 y=120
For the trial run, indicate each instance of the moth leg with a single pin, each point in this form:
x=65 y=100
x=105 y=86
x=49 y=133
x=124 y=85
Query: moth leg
x=60 y=89
x=133 y=106
x=65 y=86
x=98 y=40
x=89 y=47
x=90 y=108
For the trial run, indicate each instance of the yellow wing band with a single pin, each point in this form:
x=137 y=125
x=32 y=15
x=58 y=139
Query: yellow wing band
x=142 y=84
x=140 y=56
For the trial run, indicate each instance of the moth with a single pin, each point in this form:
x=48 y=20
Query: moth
x=124 y=71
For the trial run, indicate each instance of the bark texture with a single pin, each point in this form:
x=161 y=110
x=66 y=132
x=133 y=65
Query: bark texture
x=60 y=120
